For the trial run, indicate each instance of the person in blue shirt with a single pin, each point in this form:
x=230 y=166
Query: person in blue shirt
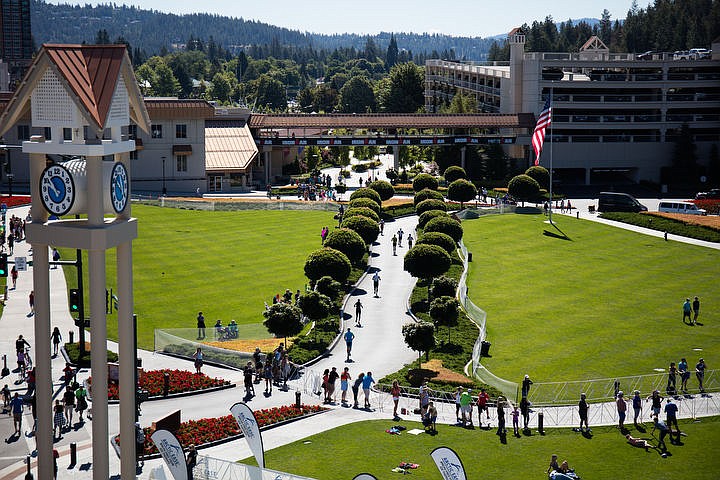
x=16 y=405
x=366 y=384
x=660 y=426
x=671 y=416
x=349 y=336
x=687 y=310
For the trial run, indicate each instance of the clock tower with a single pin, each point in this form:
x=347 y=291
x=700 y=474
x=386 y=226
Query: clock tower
x=85 y=97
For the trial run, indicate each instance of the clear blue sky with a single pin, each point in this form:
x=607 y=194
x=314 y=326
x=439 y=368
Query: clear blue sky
x=464 y=17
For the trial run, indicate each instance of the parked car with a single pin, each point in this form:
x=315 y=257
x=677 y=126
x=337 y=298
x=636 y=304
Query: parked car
x=699 y=53
x=711 y=194
x=619 y=202
x=681 y=55
x=687 y=208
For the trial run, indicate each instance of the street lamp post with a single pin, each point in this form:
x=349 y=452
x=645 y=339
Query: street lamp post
x=164 y=189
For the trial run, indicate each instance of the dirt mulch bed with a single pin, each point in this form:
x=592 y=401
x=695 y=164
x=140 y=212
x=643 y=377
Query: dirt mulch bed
x=240 y=345
x=712 y=221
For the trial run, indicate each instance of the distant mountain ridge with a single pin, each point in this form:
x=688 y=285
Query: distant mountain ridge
x=153 y=30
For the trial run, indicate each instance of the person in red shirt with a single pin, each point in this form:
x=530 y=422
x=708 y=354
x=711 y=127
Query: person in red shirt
x=482 y=401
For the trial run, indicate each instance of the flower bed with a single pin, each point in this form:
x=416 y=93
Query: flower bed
x=180 y=381
x=15 y=200
x=207 y=430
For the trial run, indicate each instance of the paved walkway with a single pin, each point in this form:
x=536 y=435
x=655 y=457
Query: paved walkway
x=378 y=347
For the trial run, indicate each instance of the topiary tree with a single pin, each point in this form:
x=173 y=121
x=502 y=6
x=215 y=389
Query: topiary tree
x=430 y=204
x=364 y=211
x=453 y=172
x=327 y=261
x=420 y=336
x=524 y=188
x=347 y=241
x=367 y=228
x=462 y=191
x=540 y=174
x=426 y=262
x=427 y=194
x=367 y=193
x=446 y=225
x=445 y=311
x=443 y=286
x=383 y=188
x=365 y=203
x=283 y=320
x=424 y=218
x=424 y=180
x=440 y=239
x=315 y=306
x=329 y=287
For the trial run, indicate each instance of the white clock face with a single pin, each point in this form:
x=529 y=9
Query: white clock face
x=57 y=190
x=119 y=187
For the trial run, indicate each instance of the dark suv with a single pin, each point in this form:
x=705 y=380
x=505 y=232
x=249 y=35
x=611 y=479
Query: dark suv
x=714 y=193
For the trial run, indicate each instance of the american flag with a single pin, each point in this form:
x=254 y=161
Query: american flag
x=544 y=121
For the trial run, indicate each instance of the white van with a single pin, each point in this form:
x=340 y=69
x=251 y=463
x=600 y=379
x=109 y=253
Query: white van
x=688 y=208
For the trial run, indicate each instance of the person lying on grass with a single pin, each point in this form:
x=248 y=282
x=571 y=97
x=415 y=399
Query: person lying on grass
x=639 y=442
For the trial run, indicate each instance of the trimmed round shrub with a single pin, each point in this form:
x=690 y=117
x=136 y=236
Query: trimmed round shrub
x=327 y=261
x=443 y=286
x=327 y=286
x=364 y=211
x=347 y=241
x=446 y=225
x=524 y=188
x=367 y=193
x=540 y=174
x=430 y=204
x=427 y=194
x=367 y=228
x=429 y=215
x=442 y=240
x=383 y=188
x=424 y=180
x=365 y=203
x=453 y=173
x=462 y=191
x=426 y=261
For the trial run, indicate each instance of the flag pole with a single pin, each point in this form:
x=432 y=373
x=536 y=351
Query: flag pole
x=551 y=158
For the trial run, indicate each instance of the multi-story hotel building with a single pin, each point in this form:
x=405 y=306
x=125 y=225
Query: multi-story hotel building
x=616 y=116
x=16 y=49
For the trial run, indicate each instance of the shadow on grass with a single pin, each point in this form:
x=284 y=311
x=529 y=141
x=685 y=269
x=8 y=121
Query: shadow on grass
x=450 y=348
x=420 y=306
x=561 y=235
x=417 y=376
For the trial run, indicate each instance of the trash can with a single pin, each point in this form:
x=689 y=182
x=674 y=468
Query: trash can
x=469 y=256
x=485 y=348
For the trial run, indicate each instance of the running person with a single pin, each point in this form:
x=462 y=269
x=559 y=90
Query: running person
x=376 y=283
x=358 y=312
x=349 y=336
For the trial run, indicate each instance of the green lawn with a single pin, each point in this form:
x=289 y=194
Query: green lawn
x=606 y=302
x=223 y=263
x=343 y=452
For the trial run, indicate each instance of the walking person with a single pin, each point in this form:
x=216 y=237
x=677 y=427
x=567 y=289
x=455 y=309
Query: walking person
x=349 y=336
x=332 y=378
x=687 y=311
x=482 y=402
x=14 y=277
x=700 y=374
x=358 y=312
x=526 y=385
x=58 y=418
x=16 y=407
x=695 y=308
x=672 y=375
x=583 y=412
x=382 y=225
x=31 y=301
x=201 y=326
x=637 y=406
x=525 y=412
x=198 y=357
x=268 y=376
x=399 y=237
x=69 y=402
x=394 y=244
x=410 y=240
x=621 y=405
x=501 y=416
x=671 y=417
x=81 y=401
x=376 y=283
x=56 y=338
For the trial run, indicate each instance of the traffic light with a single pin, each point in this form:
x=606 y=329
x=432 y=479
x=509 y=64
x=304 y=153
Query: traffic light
x=3 y=265
x=74 y=300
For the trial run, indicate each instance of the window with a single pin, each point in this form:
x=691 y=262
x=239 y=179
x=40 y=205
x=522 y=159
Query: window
x=67 y=134
x=181 y=131
x=156 y=131
x=132 y=132
x=23 y=132
x=133 y=155
x=47 y=131
x=181 y=163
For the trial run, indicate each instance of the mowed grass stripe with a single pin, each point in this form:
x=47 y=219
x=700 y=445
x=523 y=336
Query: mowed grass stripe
x=223 y=263
x=605 y=303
